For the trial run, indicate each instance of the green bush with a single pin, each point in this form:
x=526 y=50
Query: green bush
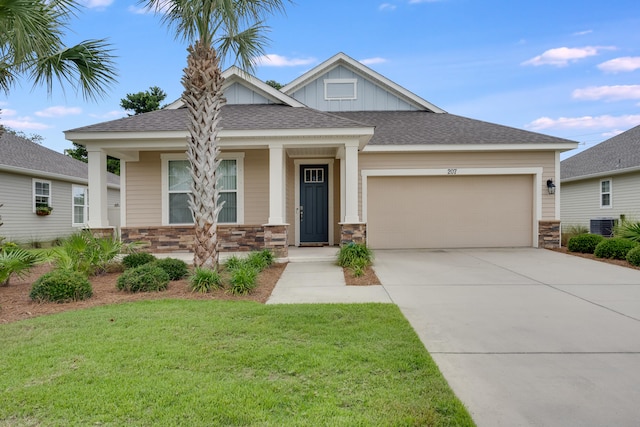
x=61 y=286
x=85 y=253
x=569 y=231
x=616 y=248
x=633 y=257
x=203 y=280
x=584 y=243
x=175 y=268
x=137 y=259
x=145 y=278
x=243 y=280
x=355 y=254
x=629 y=230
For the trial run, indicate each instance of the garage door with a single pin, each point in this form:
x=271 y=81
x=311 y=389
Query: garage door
x=450 y=211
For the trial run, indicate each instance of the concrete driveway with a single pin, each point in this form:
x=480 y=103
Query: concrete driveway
x=525 y=337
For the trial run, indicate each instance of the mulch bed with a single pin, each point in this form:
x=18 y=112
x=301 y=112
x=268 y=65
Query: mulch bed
x=620 y=262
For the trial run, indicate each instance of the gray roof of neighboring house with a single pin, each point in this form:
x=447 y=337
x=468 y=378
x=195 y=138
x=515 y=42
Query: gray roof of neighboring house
x=233 y=117
x=391 y=127
x=17 y=152
x=420 y=127
x=614 y=154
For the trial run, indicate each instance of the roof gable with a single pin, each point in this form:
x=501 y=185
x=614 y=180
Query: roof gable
x=615 y=155
x=374 y=91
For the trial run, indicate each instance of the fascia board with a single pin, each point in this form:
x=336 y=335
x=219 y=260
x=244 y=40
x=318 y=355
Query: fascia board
x=601 y=174
x=469 y=147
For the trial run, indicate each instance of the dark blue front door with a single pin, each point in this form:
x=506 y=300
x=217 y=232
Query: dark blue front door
x=314 y=204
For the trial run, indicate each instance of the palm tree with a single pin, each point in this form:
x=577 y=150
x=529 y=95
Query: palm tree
x=215 y=29
x=31 y=44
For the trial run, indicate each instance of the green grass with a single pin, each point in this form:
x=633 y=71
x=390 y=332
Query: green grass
x=196 y=363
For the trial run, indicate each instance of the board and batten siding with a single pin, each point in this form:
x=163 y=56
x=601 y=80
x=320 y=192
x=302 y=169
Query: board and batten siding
x=369 y=96
x=240 y=94
x=580 y=200
x=21 y=224
x=456 y=160
x=144 y=189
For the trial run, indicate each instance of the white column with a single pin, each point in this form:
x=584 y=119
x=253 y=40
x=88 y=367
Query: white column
x=97 y=188
x=351 y=183
x=276 y=184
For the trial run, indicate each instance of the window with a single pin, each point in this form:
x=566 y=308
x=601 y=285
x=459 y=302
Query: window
x=605 y=193
x=41 y=194
x=338 y=89
x=80 y=205
x=176 y=182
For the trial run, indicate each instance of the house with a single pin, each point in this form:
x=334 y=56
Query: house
x=601 y=185
x=32 y=177
x=340 y=154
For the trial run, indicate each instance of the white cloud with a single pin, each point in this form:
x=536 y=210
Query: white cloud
x=582 y=33
x=562 y=56
x=273 y=60
x=24 y=123
x=623 y=64
x=585 y=122
x=7 y=112
x=608 y=93
x=59 y=111
x=96 y=4
x=387 y=6
x=371 y=61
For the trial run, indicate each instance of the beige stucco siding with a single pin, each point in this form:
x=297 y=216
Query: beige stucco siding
x=580 y=200
x=461 y=160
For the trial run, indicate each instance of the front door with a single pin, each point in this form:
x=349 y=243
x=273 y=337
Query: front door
x=314 y=204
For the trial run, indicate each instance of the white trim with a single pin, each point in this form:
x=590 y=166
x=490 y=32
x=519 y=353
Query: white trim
x=558 y=193
x=562 y=146
x=166 y=157
x=535 y=171
x=85 y=214
x=297 y=163
x=603 y=174
x=328 y=82
x=123 y=193
x=600 y=193
x=33 y=193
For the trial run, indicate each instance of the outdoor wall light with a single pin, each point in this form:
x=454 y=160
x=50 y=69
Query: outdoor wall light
x=551 y=187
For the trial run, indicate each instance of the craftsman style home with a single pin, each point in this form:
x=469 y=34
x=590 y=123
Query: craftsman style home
x=339 y=154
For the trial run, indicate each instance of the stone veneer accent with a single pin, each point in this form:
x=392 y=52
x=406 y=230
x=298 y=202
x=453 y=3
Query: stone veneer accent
x=231 y=238
x=103 y=232
x=356 y=233
x=548 y=234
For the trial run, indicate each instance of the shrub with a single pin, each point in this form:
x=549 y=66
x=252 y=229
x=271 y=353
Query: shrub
x=616 y=248
x=355 y=254
x=85 y=253
x=570 y=231
x=61 y=286
x=203 y=280
x=175 y=268
x=243 y=280
x=145 y=278
x=17 y=262
x=633 y=257
x=137 y=259
x=628 y=230
x=584 y=243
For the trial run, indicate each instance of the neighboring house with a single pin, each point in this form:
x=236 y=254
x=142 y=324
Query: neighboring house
x=602 y=184
x=339 y=154
x=33 y=176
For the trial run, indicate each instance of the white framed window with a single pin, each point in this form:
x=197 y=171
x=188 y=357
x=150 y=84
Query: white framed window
x=605 y=193
x=79 y=205
x=176 y=188
x=340 y=89
x=41 y=194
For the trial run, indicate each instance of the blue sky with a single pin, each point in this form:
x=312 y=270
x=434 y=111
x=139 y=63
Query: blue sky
x=564 y=68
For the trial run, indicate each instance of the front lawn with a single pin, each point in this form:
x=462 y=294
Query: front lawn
x=195 y=363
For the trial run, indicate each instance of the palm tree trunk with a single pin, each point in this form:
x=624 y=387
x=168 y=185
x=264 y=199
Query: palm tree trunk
x=202 y=82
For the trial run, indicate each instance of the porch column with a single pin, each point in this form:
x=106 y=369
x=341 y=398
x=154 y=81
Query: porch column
x=276 y=184
x=351 y=183
x=97 y=188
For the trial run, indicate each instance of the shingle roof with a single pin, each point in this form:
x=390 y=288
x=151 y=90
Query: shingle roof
x=233 y=117
x=21 y=153
x=617 y=153
x=420 y=127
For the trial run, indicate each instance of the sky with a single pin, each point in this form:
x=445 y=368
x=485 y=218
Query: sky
x=565 y=68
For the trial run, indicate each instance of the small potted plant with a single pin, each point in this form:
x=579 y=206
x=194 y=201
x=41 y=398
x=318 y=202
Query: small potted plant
x=43 y=210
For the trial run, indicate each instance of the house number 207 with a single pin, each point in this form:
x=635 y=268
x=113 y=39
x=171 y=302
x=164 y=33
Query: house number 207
x=452 y=171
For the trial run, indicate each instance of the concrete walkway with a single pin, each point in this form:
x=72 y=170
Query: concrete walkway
x=312 y=276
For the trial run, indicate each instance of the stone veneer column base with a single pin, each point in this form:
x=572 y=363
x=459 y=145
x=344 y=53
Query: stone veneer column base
x=548 y=234
x=276 y=239
x=103 y=232
x=356 y=233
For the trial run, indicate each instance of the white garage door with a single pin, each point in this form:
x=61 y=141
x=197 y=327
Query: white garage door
x=450 y=211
